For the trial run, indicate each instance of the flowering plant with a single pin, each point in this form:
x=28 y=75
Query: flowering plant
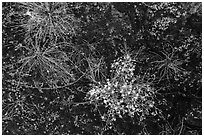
x=125 y=93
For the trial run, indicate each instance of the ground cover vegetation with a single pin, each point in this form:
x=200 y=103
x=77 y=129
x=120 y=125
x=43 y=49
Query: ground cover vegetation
x=101 y=68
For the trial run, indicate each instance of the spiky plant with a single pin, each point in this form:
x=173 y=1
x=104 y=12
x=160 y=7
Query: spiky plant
x=96 y=69
x=53 y=63
x=52 y=20
x=168 y=66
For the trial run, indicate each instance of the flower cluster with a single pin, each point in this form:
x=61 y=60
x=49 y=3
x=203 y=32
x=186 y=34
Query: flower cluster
x=124 y=93
x=164 y=23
